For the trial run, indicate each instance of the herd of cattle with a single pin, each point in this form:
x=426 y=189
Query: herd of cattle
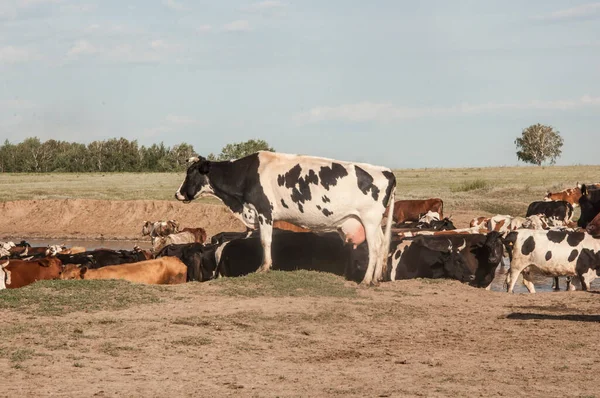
x=424 y=244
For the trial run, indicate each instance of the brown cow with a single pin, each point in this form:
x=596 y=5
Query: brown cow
x=288 y=226
x=411 y=210
x=593 y=227
x=162 y=271
x=199 y=233
x=570 y=195
x=477 y=221
x=20 y=273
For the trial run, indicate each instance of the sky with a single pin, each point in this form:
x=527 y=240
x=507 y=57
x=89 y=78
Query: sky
x=403 y=84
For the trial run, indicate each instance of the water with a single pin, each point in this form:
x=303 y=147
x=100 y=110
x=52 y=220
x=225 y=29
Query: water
x=542 y=283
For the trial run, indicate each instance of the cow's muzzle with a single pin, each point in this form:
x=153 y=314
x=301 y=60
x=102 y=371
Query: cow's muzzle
x=181 y=197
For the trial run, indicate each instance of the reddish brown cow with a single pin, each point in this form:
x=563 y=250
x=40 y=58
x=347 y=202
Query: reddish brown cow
x=477 y=221
x=593 y=227
x=20 y=273
x=288 y=226
x=570 y=195
x=199 y=234
x=411 y=210
x=162 y=271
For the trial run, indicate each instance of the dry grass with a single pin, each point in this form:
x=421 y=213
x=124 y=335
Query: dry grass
x=488 y=189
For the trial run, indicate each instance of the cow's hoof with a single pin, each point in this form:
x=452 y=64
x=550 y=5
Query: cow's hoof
x=263 y=269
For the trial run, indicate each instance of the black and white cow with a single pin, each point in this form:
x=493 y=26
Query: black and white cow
x=590 y=205
x=199 y=259
x=315 y=193
x=559 y=210
x=553 y=253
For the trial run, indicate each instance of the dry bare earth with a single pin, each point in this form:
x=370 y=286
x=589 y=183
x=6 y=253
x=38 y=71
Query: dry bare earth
x=295 y=334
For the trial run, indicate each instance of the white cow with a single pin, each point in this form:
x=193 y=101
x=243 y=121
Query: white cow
x=315 y=193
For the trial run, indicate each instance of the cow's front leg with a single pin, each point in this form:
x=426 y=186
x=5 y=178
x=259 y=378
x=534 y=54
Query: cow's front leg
x=266 y=236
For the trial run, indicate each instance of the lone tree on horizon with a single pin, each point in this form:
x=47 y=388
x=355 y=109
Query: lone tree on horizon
x=539 y=143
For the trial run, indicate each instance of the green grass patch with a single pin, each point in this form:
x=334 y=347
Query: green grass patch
x=286 y=283
x=470 y=186
x=62 y=297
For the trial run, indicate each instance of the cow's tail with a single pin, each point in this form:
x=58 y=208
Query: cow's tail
x=387 y=235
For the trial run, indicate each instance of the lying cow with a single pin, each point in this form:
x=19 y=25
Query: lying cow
x=480 y=254
x=590 y=205
x=159 y=228
x=324 y=252
x=19 y=273
x=412 y=210
x=162 y=271
x=560 y=210
x=423 y=257
x=553 y=253
x=104 y=257
x=199 y=259
x=173 y=239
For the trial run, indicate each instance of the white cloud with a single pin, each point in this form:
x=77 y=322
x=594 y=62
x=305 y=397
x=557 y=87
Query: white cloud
x=204 y=28
x=237 y=26
x=582 y=11
x=175 y=5
x=386 y=112
x=82 y=47
x=13 y=55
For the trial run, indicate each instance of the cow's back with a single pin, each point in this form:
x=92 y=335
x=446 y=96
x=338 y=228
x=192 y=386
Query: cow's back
x=165 y=270
x=23 y=273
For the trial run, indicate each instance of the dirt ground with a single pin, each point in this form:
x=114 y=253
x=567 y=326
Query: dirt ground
x=405 y=338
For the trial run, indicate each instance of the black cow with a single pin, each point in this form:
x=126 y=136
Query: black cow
x=590 y=205
x=479 y=254
x=422 y=257
x=324 y=252
x=559 y=210
x=199 y=259
x=437 y=225
x=101 y=258
x=222 y=237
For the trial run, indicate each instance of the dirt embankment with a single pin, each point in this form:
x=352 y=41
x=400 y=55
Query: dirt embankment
x=106 y=219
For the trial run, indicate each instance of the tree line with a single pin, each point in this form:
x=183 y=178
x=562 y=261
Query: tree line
x=112 y=155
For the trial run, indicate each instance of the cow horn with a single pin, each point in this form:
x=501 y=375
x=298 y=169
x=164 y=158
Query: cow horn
x=449 y=218
x=193 y=159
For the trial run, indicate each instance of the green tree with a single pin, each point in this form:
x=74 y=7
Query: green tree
x=241 y=149
x=539 y=143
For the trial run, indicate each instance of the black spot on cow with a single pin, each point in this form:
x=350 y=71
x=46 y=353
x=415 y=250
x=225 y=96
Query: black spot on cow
x=397 y=254
x=528 y=246
x=261 y=219
x=283 y=204
x=330 y=175
x=300 y=207
x=292 y=176
x=311 y=177
x=575 y=238
x=588 y=259
x=325 y=199
x=327 y=212
x=391 y=186
x=548 y=255
x=280 y=180
x=365 y=183
x=573 y=255
x=318 y=207
x=556 y=236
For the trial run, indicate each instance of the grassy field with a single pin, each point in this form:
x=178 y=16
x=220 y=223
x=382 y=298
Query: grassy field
x=496 y=190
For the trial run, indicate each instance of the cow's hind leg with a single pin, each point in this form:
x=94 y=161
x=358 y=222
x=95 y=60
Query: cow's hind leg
x=511 y=277
x=266 y=236
x=528 y=280
x=373 y=236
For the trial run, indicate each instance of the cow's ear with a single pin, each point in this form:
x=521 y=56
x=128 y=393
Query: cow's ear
x=44 y=262
x=204 y=167
x=83 y=270
x=584 y=190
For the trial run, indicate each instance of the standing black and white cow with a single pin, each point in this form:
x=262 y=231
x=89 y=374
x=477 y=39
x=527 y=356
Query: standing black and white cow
x=315 y=193
x=559 y=210
x=553 y=253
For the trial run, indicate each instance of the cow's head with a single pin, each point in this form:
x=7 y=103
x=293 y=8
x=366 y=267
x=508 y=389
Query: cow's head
x=509 y=242
x=453 y=263
x=196 y=181
x=72 y=271
x=593 y=228
x=147 y=228
x=489 y=255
